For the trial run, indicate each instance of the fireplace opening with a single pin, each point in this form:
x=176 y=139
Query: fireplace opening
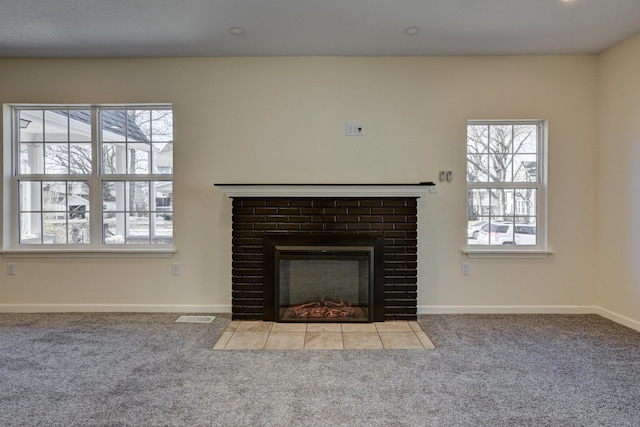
x=315 y=278
x=324 y=283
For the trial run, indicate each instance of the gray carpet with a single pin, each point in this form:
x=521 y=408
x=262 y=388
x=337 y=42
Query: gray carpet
x=487 y=370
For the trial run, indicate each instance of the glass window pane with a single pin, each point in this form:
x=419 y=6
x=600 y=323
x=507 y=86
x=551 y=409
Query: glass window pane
x=114 y=159
x=163 y=231
x=163 y=158
x=80 y=157
x=163 y=195
x=113 y=228
x=55 y=228
x=30 y=122
x=29 y=196
x=477 y=167
x=138 y=230
x=56 y=158
x=526 y=232
x=500 y=139
x=56 y=126
x=31 y=228
x=525 y=139
x=78 y=198
x=139 y=158
x=508 y=198
x=54 y=194
x=80 y=125
x=113 y=196
x=526 y=202
x=78 y=231
x=525 y=168
x=161 y=125
x=500 y=168
x=479 y=203
x=501 y=202
x=31 y=158
x=137 y=196
x=113 y=125
x=474 y=226
x=138 y=125
x=477 y=139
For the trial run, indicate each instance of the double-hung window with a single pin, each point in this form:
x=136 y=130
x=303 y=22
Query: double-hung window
x=506 y=185
x=91 y=177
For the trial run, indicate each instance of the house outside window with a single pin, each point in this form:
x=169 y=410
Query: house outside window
x=91 y=177
x=506 y=194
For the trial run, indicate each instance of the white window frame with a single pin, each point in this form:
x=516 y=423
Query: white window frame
x=11 y=246
x=540 y=249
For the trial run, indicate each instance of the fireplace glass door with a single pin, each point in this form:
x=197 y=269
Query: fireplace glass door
x=324 y=284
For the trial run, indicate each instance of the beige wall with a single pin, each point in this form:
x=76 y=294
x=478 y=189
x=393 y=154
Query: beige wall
x=619 y=179
x=252 y=120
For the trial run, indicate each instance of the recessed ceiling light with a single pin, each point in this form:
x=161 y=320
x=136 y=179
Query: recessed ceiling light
x=237 y=31
x=411 y=31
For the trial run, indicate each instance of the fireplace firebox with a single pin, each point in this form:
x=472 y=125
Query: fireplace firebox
x=324 y=278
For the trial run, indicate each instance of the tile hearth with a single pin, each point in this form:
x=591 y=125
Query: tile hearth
x=259 y=335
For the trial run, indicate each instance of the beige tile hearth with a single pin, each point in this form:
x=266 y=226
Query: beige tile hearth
x=361 y=340
x=400 y=340
x=247 y=341
x=258 y=335
x=285 y=341
x=323 y=341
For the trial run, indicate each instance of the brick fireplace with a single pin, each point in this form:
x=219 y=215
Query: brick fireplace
x=263 y=212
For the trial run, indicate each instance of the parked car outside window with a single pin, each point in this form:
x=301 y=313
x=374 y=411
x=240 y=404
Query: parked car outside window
x=474 y=229
x=504 y=233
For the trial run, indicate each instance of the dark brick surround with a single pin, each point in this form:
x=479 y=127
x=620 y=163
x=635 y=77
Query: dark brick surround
x=396 y=218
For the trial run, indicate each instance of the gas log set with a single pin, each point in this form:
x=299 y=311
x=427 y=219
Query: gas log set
x=324 y=309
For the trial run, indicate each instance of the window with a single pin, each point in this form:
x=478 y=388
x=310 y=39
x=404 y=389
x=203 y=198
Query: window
x=92 y=177
x=505 y=184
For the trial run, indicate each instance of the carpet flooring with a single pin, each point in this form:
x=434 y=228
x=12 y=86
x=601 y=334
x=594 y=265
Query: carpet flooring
x=487 y=370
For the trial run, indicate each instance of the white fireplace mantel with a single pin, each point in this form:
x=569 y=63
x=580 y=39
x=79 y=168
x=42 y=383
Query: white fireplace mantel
x=325 y=190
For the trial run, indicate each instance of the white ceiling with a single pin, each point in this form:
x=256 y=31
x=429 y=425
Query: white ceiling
x=163 y=28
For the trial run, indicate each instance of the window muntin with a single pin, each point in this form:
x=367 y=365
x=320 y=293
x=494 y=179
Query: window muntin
x=505 y=182
x=58 y=178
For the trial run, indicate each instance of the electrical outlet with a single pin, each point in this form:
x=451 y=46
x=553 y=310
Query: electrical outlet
x=11 y=269
x=466 y=269
x=175 y=269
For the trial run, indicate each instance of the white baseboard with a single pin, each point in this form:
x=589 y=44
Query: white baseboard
x=530 y=309
x=511 y=309
x=618 y=318
x=112 y=308
x=422 y=309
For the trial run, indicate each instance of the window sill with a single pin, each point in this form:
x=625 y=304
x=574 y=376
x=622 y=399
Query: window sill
x=89 y=253
x=507 y=253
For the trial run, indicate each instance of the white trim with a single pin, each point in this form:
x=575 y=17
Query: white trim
x=507 y=309
x=507 y=253
x=618 y=318
x=329 y=190
x=540 y=185
x=422 y=309
x=88 y=253
x=112 y=308
x=531 y=309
